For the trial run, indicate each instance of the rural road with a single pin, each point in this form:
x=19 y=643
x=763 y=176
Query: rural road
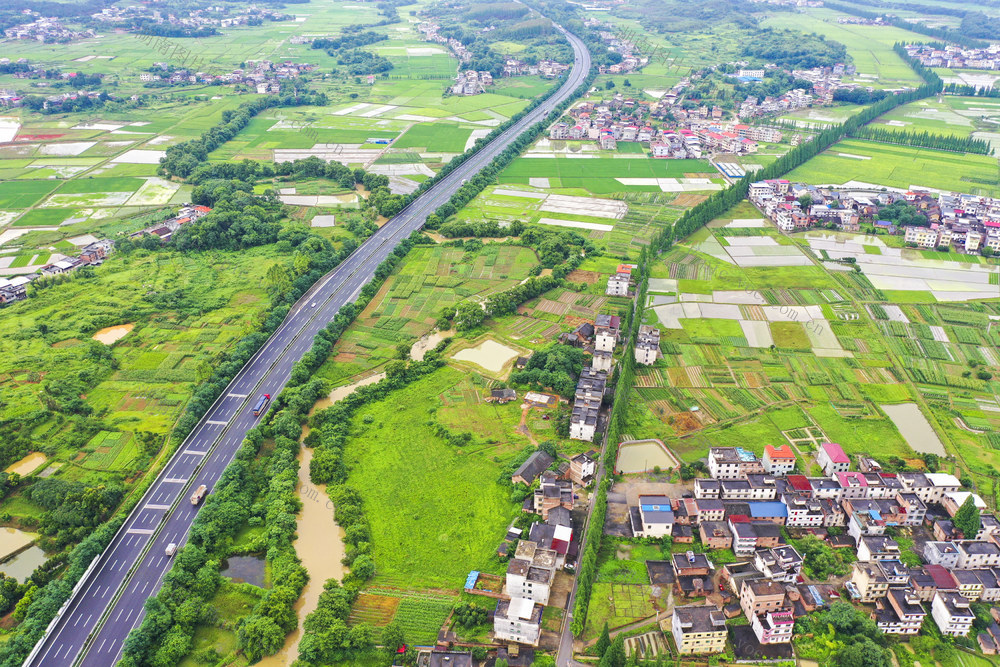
x=108 y=602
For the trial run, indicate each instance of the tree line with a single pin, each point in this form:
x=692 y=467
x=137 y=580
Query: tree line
x=623 y=382
x=947 y=34
x=924 y=140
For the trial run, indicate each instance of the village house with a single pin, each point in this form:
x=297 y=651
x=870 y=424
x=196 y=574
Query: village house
x=618 y=284
x=14 y=289
x=715 y=534
x=732 y=463
x=831 y=458
x=647 y=345
x=530 y=572
x=778 y=460
x=698 y=629
x=587 y=404
x=533 y=466
x=552 y=493
x=952 y=614
x=518 y=620
x=581 y=469
x=782 y=564
x=899 y=612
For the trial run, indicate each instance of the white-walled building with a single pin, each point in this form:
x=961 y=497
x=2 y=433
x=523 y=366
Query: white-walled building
x=518 y=620
x=952 y=613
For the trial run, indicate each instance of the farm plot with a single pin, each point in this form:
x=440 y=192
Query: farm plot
x=22 y=194
x=900 y=167
x=435 y=137
x=600 y=175
x=897 y=269
x=421 y=615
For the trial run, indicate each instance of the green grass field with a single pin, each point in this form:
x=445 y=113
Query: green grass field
x=411 y=481
x=446 y=137
x=598 y=175
x=23 y=194
x=900 y=167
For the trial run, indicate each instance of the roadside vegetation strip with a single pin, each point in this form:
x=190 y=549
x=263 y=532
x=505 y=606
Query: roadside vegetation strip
x=616 y=426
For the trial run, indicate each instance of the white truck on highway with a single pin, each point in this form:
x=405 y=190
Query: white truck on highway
x=198 y=494
x=171 y=549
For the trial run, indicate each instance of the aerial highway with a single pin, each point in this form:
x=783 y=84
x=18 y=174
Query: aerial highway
x=108 y=601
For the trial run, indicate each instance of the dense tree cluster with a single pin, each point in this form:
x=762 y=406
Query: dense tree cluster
x=145 y=26
x=73 y=506
x=362 y=63
x=924 y=140
x=715 y=87
x=353 y=37
x=903 y=214
x=794 y=50
x=326 y=638
x=967 y=519
x=555 y=367
x=859 y=95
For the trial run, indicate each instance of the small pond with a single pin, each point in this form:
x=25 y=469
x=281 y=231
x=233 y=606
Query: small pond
x=245 y=569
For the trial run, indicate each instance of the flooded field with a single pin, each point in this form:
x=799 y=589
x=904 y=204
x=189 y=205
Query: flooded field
x=340 y=393
x=27 y=465
x=644 y=455
x=320 y=546
x=111 y=335
x=914 y=427
x=489 y=354
x=428 y=342
x=27 y=558
x=23 y=564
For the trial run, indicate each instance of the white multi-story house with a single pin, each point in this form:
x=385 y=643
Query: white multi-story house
x=899 y=612
x=531 y=571
x=618 y=284
x=831 y=458
x=782 y=564
x=924 y=237
x=647 y=345
x=656 y=517
x=778 y=460
x=975 y=555
x=602 y=361
x=518 y=620
x=952 y=613
x=732 y=463
x=605 y=339
x=773 y=627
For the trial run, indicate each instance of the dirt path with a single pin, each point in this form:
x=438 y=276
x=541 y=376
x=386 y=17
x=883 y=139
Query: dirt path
x=522 y=427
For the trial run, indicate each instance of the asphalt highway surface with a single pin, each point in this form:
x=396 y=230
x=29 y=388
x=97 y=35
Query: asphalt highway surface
x=108 y=602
